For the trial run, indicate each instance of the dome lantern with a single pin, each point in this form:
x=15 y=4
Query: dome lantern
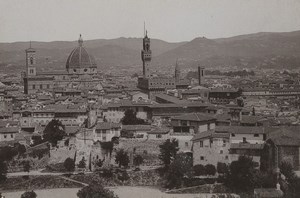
x=80 y=41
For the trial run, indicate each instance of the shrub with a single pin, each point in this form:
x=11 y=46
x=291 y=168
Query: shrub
x=99 y=163
x=3 y=171
x=69 y=164
x=210 y=169
x=82 y=163
x=26 y=166
x=123 y=176
x=138 y=160
x=106 y=173
x=122 y=158
x=95 y=191
x=199 y=170
x=287 y=170
x=29 y=194
x=222 y=168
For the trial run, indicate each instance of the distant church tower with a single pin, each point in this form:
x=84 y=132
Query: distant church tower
x=30 y=67
x=146 y=56
x=177 y=72
x=201 y=75
x=30 y=61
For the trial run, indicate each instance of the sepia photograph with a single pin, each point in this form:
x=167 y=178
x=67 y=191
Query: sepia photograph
x=149 y=99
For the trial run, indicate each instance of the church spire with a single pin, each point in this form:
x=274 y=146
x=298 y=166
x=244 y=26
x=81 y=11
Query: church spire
x=80 y=41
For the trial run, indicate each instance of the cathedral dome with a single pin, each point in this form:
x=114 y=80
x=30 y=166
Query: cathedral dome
x=79 y=59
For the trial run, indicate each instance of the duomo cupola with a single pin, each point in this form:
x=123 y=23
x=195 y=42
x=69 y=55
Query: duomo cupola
x=80 y=61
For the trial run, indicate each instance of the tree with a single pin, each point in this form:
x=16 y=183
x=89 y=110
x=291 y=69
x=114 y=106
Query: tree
x=210 y=169
x=26 y=166
x=3 y=170
x=181 y=167
x=138 y=160
x=131 y=119
x=36 y=139
x=21 y=148
x=29 y=194
x=99 y=163
x=122 y=158
x=241 y=175
x=82 y=163
x=199 y=170
x=222 y=168
x=287 y=170
x=8 y=153
x=253 y=111
x=168 y=151
x=69 y=164
x=54 y=132
x=95 y=191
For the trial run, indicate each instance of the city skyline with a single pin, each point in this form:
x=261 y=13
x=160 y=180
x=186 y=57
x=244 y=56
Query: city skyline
x=172 y=21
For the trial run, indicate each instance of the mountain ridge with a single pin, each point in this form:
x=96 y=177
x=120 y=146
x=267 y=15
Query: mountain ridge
x=253 y=51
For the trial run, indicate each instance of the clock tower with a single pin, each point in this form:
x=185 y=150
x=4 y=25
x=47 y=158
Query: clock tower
x=146 y=56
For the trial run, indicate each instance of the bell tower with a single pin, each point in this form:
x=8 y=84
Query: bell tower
x=146 y=56
x=30 y=61
x=177 y=72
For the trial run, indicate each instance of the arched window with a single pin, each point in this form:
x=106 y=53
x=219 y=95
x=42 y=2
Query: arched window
x=31 y=60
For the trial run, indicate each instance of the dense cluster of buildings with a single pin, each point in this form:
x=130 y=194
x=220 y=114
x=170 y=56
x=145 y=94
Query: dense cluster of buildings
x=212 y=120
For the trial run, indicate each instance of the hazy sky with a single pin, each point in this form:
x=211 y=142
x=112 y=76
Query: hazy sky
x=170 y=20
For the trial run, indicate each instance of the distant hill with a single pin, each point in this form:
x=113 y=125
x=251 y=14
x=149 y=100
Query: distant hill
x=260 y=50
x=120 y=52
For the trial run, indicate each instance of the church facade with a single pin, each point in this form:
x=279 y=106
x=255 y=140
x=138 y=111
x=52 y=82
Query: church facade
x=80 y=73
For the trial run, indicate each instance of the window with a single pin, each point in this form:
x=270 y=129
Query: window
x=232 y=135
x=158 y=136
x=4 y=136
x=201 y=143
x=226 y=157
x=256 y=135
x=48 y=86
x=186 y=144
x=31 y=60
x=183 y=123
x=244 y=140
x=31 y=71
x=221 y=151
x=33 y=86
x=41 y=86
x=201 y=157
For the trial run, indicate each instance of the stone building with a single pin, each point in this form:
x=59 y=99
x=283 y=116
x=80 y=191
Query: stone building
x=282 y=145
x=210 y=147
x=153 y=85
